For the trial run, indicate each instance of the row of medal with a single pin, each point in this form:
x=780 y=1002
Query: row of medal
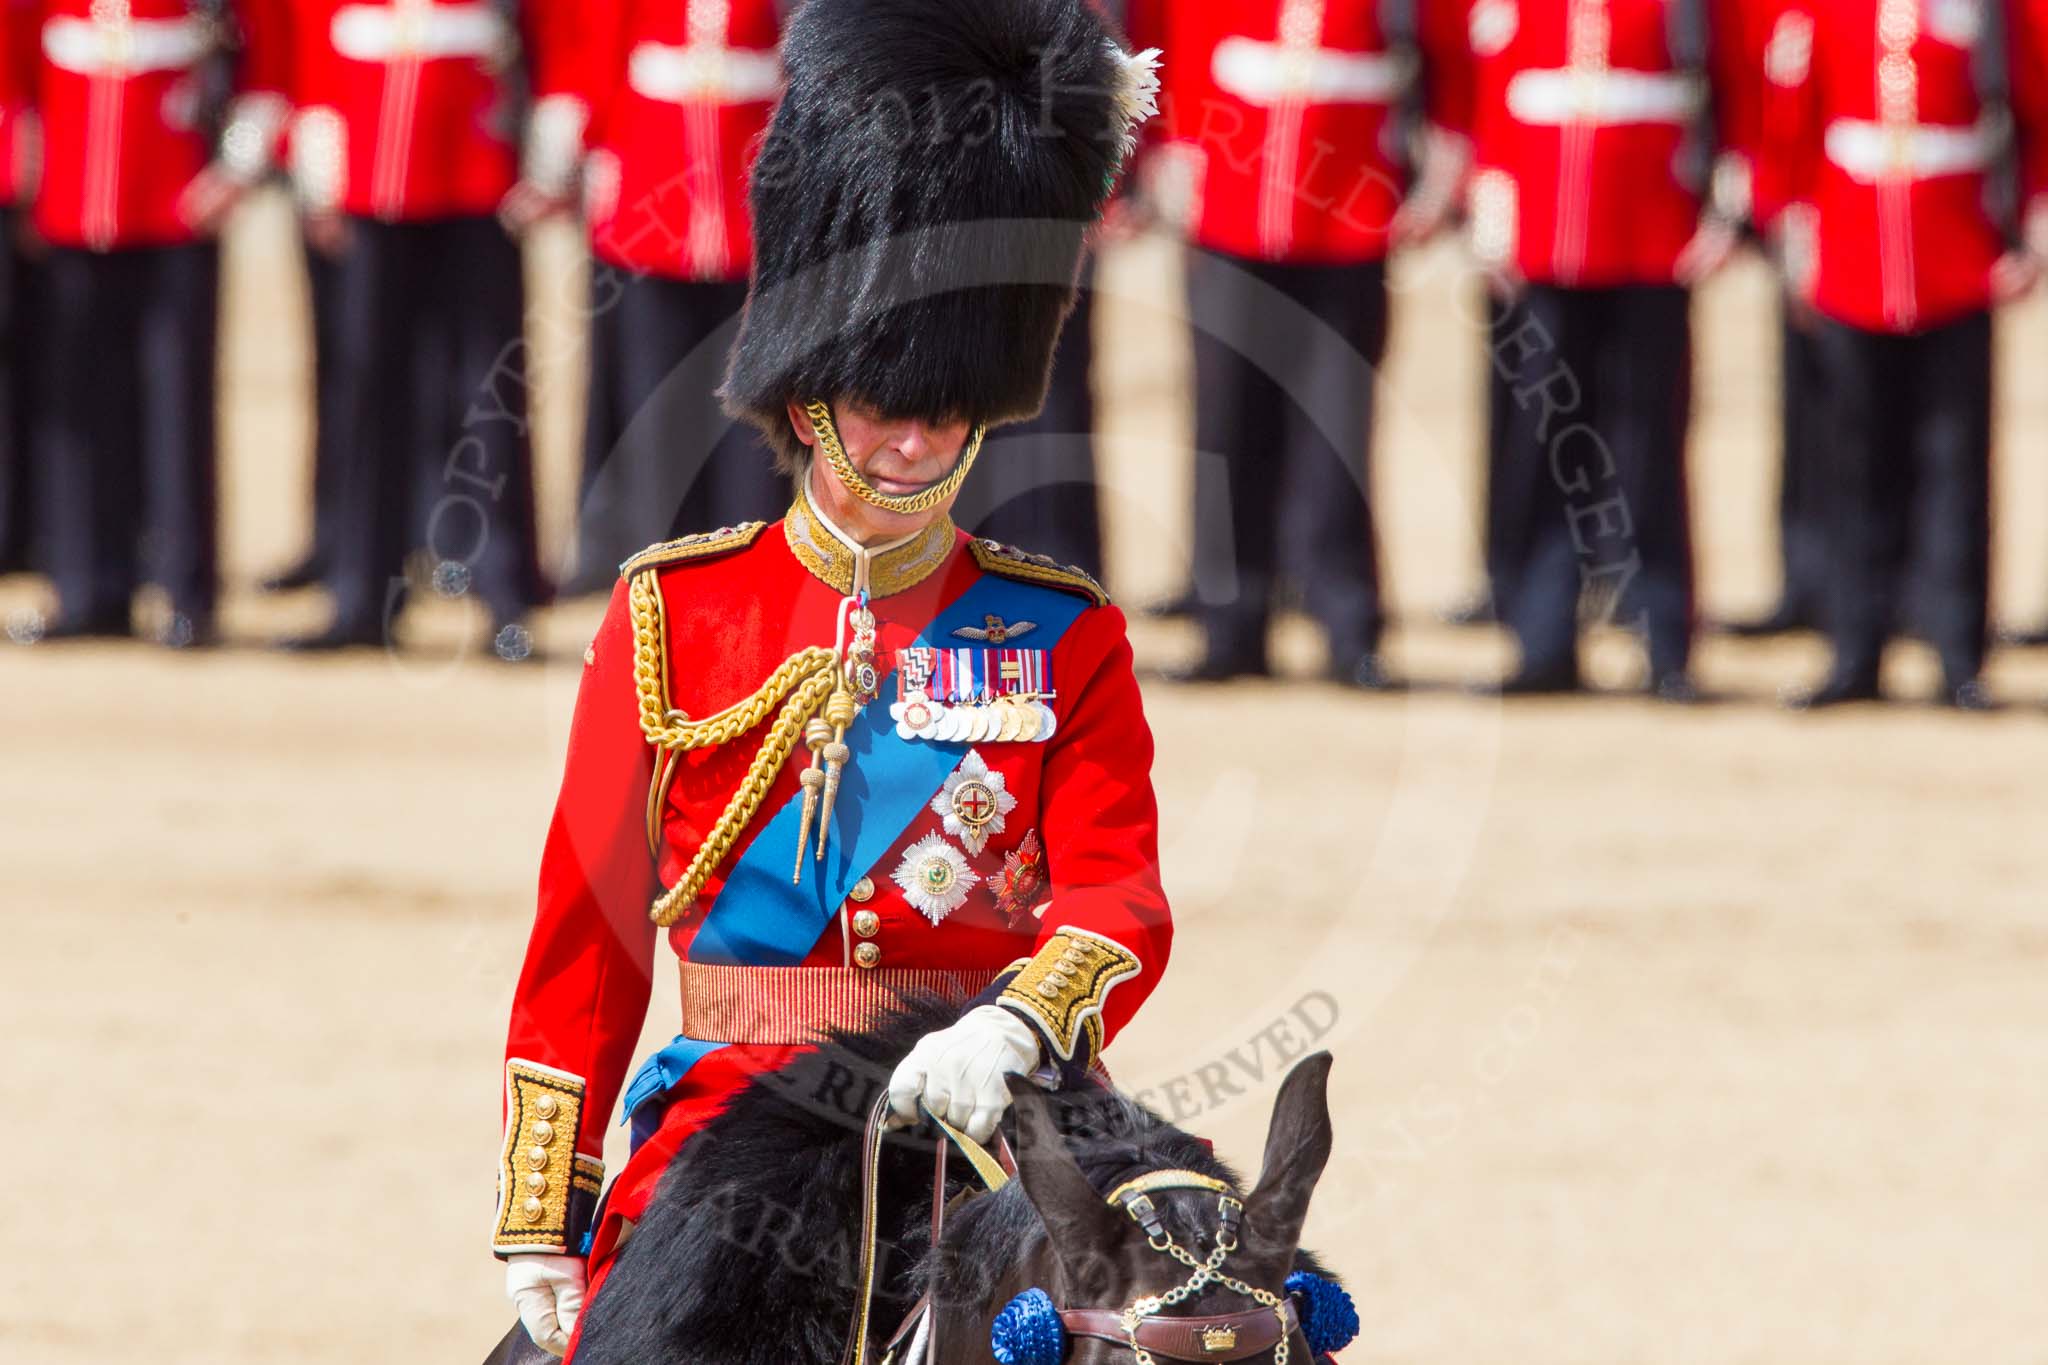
x=973 y=696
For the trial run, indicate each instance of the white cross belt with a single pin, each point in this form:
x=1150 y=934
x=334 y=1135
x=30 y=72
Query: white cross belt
x=1869 y=151
x=135 y=46
x=1268 y=73
x=703 y=72
x=377 y=33
x=1605 y=95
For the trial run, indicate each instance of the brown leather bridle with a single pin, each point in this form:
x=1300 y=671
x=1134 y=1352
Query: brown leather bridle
x=1219 y=1337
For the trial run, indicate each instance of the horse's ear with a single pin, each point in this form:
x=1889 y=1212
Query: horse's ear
x=1080 y=1226
x=1297 y=1148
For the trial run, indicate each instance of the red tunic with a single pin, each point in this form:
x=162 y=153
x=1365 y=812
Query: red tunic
x=1877 y=136
x=20 y=130
x=2030 y=100
x=1579 y=112
x=253 y=140
x=407 y=108
x=123 y=125
x=677 y=97
x=1278 y=140
x=732 y=617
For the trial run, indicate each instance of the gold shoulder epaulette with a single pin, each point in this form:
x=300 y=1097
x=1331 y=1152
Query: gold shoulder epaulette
x=1011 y=562
x=702 y=545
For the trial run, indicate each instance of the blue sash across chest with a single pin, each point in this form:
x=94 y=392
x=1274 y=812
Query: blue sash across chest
x=760 y=918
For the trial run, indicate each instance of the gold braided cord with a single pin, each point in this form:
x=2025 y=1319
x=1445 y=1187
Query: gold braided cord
x=807 y=700
x=835 y=455
x=800 y=684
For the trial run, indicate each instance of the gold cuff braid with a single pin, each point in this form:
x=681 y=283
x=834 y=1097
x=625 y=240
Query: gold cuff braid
x=805 y=679
x=1063 y=986
x=540 y=1166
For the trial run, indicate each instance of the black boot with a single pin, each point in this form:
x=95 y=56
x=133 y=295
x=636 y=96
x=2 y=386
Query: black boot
x=1845 y=685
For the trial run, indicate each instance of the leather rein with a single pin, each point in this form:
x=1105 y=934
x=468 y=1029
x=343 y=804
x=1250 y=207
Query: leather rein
x=1220 y=1337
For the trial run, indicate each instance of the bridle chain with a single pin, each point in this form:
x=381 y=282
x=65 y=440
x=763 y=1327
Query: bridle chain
x=1205 y=1272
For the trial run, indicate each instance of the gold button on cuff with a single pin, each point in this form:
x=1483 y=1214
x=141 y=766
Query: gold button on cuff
x=866 y=955
x=863 y=890
x=546 y=1105
x=532 y=1209
x=543 y=1131
x=866 y=923
x=1048 y=990
x=536 y=1183
x=537 y=1157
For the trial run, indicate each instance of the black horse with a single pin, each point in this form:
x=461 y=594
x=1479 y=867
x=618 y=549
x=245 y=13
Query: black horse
x=749 y=1253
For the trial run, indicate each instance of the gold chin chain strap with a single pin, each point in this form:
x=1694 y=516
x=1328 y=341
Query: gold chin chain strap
x=801 y=685
x=835 y=455
x=1231 y=1209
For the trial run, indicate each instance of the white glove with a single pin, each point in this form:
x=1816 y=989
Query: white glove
x=958 y=1071
x=548 y=1292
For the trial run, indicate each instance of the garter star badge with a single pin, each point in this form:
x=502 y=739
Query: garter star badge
x=973 y=802
x=935 y=877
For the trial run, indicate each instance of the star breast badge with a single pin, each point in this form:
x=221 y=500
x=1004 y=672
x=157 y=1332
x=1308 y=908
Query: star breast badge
x=973 y=802
x=935 y=877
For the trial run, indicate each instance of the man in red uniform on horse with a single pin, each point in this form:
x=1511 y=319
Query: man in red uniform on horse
x=855 y=754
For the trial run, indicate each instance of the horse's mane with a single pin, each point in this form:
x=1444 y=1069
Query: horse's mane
x=747 y=1254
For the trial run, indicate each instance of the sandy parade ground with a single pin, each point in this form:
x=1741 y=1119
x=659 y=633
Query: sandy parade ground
x=1716 y=1034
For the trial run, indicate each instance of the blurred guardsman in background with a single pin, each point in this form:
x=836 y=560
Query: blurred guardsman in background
x=1885 y=126
x=673 y=99
x=933 y=767
x=1592 y=137
x=403 y=147
x=130 y=94
x=1742 y=28
x=20 y=148
x=270 y=51
x=2030 y=100
x=1282 y=158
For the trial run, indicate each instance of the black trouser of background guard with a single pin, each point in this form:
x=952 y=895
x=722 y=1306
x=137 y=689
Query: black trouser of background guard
x=323 y=304
x=17 y=307
x=1502 y=317
x=430 y=435
x=1037 y=486
x=125 y=359
x=1286 y=359
x=660 y=456
x=1802 y=484
x=1593 y=494
x=1908 y=459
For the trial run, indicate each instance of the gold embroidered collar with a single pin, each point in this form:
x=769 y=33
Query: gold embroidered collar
x=839 y=560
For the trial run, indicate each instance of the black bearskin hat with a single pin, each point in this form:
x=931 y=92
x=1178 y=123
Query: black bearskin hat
x=920 y=202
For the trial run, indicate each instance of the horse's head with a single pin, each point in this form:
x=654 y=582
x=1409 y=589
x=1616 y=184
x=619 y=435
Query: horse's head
x=1174 y=1265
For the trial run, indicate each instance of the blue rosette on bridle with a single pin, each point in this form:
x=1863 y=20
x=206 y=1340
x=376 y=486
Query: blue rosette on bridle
x=1328 y=1317
x=1028 y=1331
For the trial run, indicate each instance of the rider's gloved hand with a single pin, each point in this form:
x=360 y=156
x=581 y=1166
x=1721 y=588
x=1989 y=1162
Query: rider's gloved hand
x=959 y=1071
x=548 y=1291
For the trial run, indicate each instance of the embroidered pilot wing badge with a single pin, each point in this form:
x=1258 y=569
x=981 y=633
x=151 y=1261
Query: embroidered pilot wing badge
x=935 y=877
x=995 y=631
x=973 y=802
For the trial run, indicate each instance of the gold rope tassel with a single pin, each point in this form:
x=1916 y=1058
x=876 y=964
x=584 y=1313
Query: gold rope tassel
x=801 y=684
